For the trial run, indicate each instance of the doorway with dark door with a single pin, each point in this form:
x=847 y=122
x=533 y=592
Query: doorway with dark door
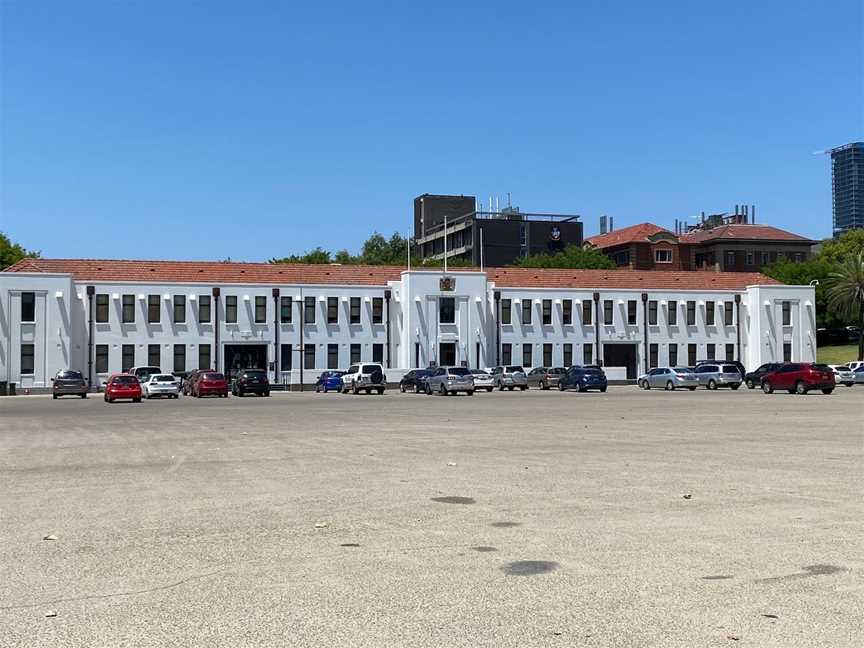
x=244 y=356
x=447 y=354
x=621 y=355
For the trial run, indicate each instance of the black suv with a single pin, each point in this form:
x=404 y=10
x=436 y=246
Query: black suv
x=414 y=380
x=251 y=381
x=754 y=378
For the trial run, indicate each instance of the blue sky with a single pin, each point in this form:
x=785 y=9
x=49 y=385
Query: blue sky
x=195 y=130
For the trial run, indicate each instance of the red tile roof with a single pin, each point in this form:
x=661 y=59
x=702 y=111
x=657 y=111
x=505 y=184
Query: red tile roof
x=742 y=233
x=216 y=272
x=632 y=234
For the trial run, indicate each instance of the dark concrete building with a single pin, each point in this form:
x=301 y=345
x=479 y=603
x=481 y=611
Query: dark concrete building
x=847 y=186
x=493 y=238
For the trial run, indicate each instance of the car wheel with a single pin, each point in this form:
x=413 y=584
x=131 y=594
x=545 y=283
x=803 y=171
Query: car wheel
x=827 y=390
x=510 y=388
x=442 y=389
x=670 y=386
x=368 y=391
x=602 y=390
x=501 y=387
x=750 y=384
x=417 y=388
x=735 y=387
x=136 y=400
x=712 y=385
x=318 y=389
x=579 y=387
x=54 y=396
x=524 y=387
x=428 y=390
x=83 y=395
x=561 y=386
x=380 y=391
x=470 y=392
x=692 y=388
x=267 y=394
x=489 y=389
x=800 y=388
x=354 y=389
x=767 y=387
x=401 y=388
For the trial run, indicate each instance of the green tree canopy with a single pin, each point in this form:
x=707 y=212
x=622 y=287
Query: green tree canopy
x=846 y=246
x=845 y=291
x=318 y=255
x=572 y=256
x=11 y=253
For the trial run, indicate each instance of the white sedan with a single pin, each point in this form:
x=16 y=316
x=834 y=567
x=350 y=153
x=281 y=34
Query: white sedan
x=159 y=385
x=843 y=375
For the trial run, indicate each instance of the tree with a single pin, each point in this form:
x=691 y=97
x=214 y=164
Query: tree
x=572 y=256
x=318 y=255
x=847 y=245
x=795 y=273
x=846 y=293
x=11 y=253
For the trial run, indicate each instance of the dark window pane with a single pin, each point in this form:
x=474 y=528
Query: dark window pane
x=587 y=354
x=673 y=355
x=180 y=357
x=332 y=310
x=28 y=359
x=506 y=312
x=101 y=358
x=526 y=311
x=231 y=309
x=285 y=310
x=102 y=308
x=587 y=312
x=652 y=312
x=631 y=311
x=568 y=355
x=154 y=355
x=28 y=307
x=355 y=353
x=309 y=354
x=447 y=310
x=260 y=309
x=567 y=312
x=179 y=309
x=653 y=355
x=547 y=311
x=204 y=307
x=127 y=357
x=728 y=313
x=355 y=310
x=153 y=309
x=204 y=356
x=332 y=356
x=507 y=353
x=672 y=313
x=378 y=353
x=608 y=313
x=691 y=313
x=128 y=314
x=547 y=355
x=377 y=310
x=710 y=312
x=286 y=357
x=309 y=310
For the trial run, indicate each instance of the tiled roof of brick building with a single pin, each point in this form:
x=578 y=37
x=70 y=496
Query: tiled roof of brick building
x=632 y=234
x=742 y=233
x=217 y=272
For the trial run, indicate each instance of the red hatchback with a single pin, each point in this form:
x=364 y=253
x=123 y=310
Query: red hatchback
x=123 y=386
x=210 y=383
x=799 y=378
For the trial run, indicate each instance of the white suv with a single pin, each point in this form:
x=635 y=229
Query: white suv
x=364 y=377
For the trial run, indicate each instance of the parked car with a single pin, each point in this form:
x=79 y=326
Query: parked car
x=859 y=375
x=843 y=375
x=449 y=381
x=122 y=386
x=583 y=378
x=158 y=385
x=329 y=381
x=511 y=377
x=364 y=377
x=544 y=377
x=754 y=378
x=669 y=378
x=414 y=380
x=713 y=376
x=68 y=383
x=210 y=383
x=799 y=378
x=738 y=366
x=855 y=365
x=483 y=379
x=250 y=381
x=141 y=373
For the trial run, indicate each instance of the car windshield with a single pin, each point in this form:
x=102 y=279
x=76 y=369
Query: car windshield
x=163 y=378
x=515 y=370
x=593 y=372
x=213 y=376
x=76 y=375
x=458 y=371
x=842 y=368
x=682 y=370
x=730 y=369
x=479 y=372
x=125 y=380
x=254 y=374
x=821 y=367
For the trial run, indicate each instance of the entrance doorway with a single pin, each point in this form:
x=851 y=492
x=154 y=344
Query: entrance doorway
x=244 y=356
x=621 y=355
x=447 y=354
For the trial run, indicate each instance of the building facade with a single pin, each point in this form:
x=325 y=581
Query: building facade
x=102 y=317
x=847 y=186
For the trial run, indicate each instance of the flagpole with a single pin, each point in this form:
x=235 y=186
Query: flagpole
x=445 y=245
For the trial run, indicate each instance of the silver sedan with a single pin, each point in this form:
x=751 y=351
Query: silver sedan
x=450 y=380
x=669 y=378
x=483 y=380
x=161 y=385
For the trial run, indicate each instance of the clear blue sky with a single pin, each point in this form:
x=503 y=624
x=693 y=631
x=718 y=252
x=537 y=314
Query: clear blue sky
x=203 y=130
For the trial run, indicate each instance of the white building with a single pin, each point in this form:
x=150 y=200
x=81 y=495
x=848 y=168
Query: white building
x=102 y=317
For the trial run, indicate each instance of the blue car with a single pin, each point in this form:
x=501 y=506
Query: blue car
x=582 y=379
x=329 y=381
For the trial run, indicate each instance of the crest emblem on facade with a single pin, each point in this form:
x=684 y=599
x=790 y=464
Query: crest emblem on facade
x=447 y=284
x=555 y=233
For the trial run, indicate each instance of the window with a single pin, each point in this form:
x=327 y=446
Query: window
x=662 y=256
x=652 y=312
x=260 y=309
x=231 y=309
x=332 y=310
x=309 y=352
x=332 y=356
x=204 y=356
x=526 y=311
x=102 y=308
x=204 y=309
x=101 y=358
x=355 y=353
x=730 y=352
x=710 y=312
x=568 y=355
x=799 y=257
x=180 y=357
x=711 y=351
x=787 y=313
x=285 y=310
x=731 y=259
x=672 y=314
x=416 y=354
x=179 y=309
x=691 y=313
x=608 y=314
x=691 y=355
x=127 y=357
x=28 y=358
x=355 y=310
x=447 y=310
x=378 y=309
x=507 y=353
x=547 y=312
x=587 y=312
x=547 y=355
x=286 y=357
x=673 y=355
x=527 y=355
x=766 y=259
x=154 y=355
x=621 y=257
x=153 y=309
x=505 y=312
x=567 y=312
x=631 y=311
x=728 y=313
x=309 y=311
x=378 y=353
x=28 y=307
x=587 y=354
x=787 y=352
x=750 y=257
x=653 y=355
x=128 y=310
